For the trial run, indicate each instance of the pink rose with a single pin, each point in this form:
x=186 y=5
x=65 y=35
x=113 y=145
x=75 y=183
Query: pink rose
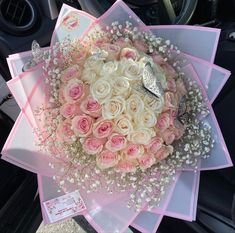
x=69 y=110
x=91 y=107
x=129 y=53
x=93 y=145
x=168 y=136
x=178 y=132
x=146 y=161
x=102 y=128
x=74 y=90
x=106 y=159
x=70 y=73
x=133 y=151
x=141 y=45
x=171 y=100
x=164 y=152
x=169 y=70
x=126 y=166
x=123 y=42
x=65 y=133
x=163 y=122
x=157 y=58
x=113 y=51
x=116 y=142
x=82 y=125
x=79 y=57
x=100 y=41
x=172 y=114
x=171 y=85
x=180 y=87
x=154 y=145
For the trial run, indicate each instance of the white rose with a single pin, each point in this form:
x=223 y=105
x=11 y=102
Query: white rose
x=113 y=107
x=131 y=69
x=109 y=68
x=129 y=53
x=89 y=76
x=101 y=90
x=141 y=136
x=133 y=151
x=94 y=64
x=123 y=125
x=134 y=105
x=155 y=104
x=121 y=86
x=147 y=118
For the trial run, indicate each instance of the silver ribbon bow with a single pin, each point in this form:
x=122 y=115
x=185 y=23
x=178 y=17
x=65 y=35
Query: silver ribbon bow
x=151 y=81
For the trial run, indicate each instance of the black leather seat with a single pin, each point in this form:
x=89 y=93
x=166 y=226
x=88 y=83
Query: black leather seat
x=215 y=212
x=19 y=202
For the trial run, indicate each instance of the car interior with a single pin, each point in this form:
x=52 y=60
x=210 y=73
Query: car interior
x=22 y=21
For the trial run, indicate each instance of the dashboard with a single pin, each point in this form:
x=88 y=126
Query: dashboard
x=21 y=22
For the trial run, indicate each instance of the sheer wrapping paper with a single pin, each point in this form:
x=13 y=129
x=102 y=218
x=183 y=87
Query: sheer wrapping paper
x=105 y=213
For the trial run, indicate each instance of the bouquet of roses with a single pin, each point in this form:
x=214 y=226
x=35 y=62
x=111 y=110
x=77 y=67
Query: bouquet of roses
x=118 y=114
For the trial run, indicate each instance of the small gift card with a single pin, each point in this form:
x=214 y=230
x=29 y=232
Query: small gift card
x=64 y=206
